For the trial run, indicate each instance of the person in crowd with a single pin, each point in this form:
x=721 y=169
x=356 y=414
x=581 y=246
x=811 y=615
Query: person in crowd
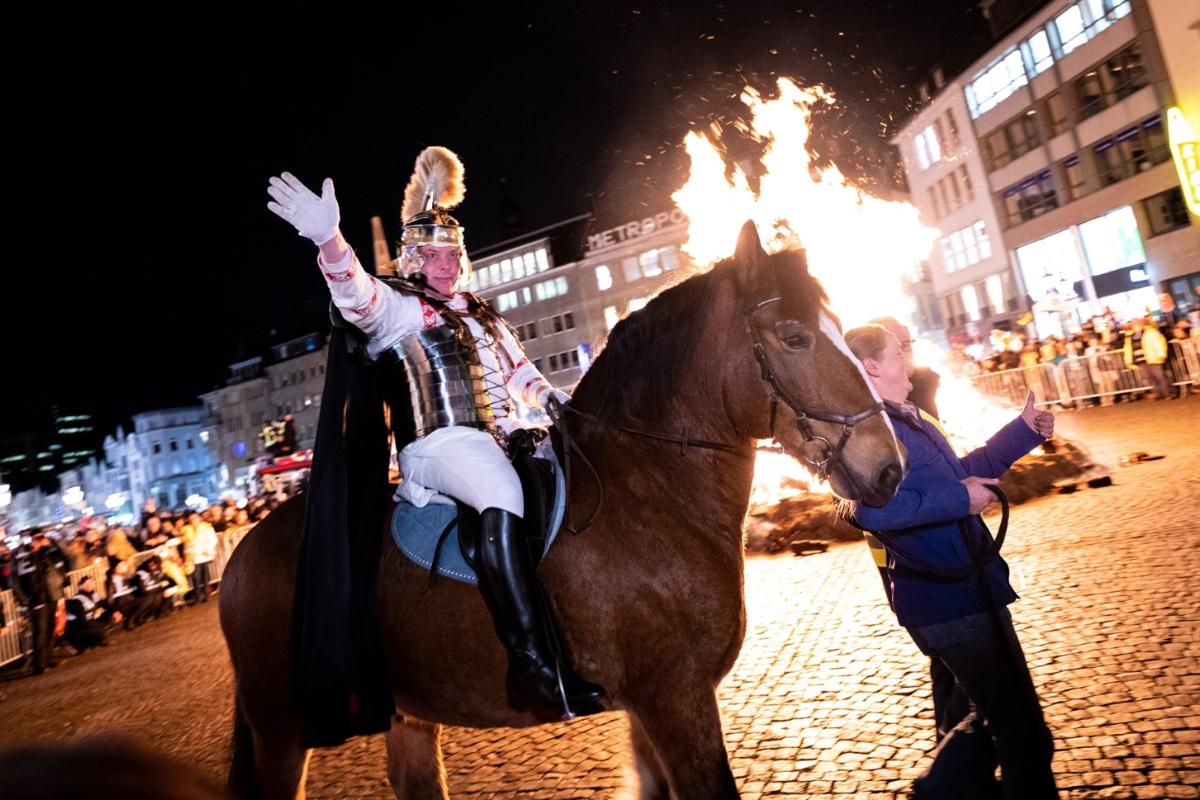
x=40 y=587
x=124 y=596
x=153 y=533
x=86 y=618
x=118 y=547
x=152 y=586
x=202 y=546
x=77 y=552
x=1146 y=352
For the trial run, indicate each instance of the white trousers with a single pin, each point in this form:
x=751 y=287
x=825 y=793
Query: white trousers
x=463 y=463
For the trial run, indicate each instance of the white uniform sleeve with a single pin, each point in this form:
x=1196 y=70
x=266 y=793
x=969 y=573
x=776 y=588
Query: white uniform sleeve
x=524 y=382
x=383 y=314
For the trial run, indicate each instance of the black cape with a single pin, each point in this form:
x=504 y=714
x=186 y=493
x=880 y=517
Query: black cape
x=341 y=685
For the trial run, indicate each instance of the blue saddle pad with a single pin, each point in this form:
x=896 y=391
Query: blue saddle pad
x=416 y=530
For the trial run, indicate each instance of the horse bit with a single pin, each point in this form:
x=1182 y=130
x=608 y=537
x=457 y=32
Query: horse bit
x=818 y=451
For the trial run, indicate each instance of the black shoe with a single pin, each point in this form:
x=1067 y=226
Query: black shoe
x=536 y=679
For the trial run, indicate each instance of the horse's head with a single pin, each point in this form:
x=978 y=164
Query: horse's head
x=804 y=386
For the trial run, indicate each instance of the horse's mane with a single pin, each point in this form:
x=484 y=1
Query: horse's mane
x=640 y=369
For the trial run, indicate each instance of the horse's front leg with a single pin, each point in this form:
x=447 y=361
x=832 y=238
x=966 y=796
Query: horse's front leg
x=414 y=758
x=683 y=724
x=652 y=781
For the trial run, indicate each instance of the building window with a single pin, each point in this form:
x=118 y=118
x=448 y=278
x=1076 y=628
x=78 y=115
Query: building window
x=1084 y=20
x=1166 y=211
x=965 y=247
x=190 y=444
x=1111 y=241
x=1030 y=198
x=964 y=178
x=1037 y=53
x=603 y=278
x=1073 y=172
x=611 y=317
x=537 y=364
x=157 y=448
x=554 y=362
x=1013 y=139
x=927 y=148
x=996 y=83
x=1131 y=151
x=174 y=446
x=1056 y=114
x=936 y=204
x=1110 y=81
x=648 y=261
x=952 y=127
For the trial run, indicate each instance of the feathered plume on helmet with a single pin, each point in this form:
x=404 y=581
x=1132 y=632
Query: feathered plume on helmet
x=435 y=187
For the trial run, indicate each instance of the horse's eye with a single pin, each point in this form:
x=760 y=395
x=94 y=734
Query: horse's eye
x=793 y=334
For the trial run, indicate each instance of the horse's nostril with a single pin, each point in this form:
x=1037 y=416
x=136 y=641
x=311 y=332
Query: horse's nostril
x=889 y=477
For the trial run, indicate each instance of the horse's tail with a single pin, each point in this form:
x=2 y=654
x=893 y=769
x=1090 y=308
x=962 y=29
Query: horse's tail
x=241 y=771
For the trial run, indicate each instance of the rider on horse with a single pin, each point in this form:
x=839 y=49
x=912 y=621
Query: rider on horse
x=465 y=368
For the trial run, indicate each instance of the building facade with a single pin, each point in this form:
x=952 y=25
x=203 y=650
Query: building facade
x=168 y=461
x=1058 y=138
x=295 y=380
x=564 y=288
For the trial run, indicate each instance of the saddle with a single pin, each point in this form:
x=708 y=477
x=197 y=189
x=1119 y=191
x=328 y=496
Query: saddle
x=430 y=536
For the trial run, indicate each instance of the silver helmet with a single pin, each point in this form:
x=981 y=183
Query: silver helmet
x=435 y=187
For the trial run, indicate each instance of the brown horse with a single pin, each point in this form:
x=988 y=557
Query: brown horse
x=649 y=598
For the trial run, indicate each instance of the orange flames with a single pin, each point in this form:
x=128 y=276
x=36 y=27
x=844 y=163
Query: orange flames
x=861 y=247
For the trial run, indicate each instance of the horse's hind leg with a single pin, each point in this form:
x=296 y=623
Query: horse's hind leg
x=414 y=753
x=652 y=781
x=684 y=728
x=280 y=764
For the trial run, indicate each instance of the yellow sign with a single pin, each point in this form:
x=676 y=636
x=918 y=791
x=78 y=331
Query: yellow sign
x=1025 y=319
x=1186 y=150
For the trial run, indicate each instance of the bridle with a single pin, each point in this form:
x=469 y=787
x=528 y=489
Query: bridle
x=818 y=452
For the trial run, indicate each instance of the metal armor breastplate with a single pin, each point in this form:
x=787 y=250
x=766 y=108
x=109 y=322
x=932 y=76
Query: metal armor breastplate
x=445 y=381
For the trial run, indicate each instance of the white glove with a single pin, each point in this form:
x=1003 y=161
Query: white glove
x=548 y=393
x=315 y=218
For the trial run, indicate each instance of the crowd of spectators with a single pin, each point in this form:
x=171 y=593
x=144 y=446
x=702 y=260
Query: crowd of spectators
x=1143 y=344
x=156 y=567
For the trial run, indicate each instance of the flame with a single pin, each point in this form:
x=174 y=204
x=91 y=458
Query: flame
x=859 y=246
x=967 y=417
x=777 y=475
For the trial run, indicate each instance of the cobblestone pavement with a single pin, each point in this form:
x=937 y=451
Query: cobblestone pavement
x=829 y=698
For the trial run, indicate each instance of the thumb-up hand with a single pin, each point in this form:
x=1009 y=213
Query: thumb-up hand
x=1040 y=422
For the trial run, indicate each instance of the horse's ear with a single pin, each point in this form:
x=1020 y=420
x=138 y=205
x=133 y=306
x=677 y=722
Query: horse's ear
x=751 y=260
x=749 y=252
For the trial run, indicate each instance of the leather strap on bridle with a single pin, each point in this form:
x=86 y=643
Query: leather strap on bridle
x=832 y=453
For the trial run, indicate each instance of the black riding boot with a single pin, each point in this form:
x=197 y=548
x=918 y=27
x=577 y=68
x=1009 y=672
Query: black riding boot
x=508 y=583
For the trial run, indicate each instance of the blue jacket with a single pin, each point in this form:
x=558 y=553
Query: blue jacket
x=924 y=518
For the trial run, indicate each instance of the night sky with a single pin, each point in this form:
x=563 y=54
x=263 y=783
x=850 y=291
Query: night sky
x=141 y=145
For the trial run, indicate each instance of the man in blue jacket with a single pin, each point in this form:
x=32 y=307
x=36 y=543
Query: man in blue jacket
x=963 y=622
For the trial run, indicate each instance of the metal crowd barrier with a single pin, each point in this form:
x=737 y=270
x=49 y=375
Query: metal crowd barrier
x=1073 y=381
x=12 y=645
x=97 y=571
x=14 y=638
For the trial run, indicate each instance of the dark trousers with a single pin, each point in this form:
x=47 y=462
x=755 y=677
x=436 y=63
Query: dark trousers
x=85 y=634
x=1158 y=380
x=950 y=703
x=1006 y=725
x=200 y=580
x=41 y=619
